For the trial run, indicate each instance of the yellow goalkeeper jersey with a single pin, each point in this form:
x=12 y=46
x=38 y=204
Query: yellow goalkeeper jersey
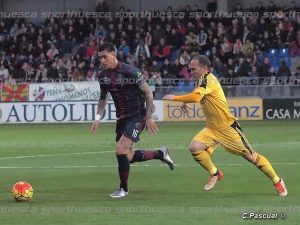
x=213 y=102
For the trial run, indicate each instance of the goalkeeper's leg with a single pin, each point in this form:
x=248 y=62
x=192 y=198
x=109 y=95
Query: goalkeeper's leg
x=265 y=166
x=235 y=141
x=202 y=154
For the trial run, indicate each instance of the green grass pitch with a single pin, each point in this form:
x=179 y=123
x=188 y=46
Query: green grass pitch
x=73 y=172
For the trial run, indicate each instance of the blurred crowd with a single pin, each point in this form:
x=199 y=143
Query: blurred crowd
x=65 y=49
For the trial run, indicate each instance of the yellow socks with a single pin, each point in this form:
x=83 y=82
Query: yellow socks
x=203 y=158
x=265 y=166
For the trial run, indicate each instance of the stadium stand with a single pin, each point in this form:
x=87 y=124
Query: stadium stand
x=248 y=47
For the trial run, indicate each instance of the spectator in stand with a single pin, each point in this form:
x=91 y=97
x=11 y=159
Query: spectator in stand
x=148 y=39
x=23 y=44
x=254 y=72
x=158 y=79
x=247 y=45
x=191 y=39
x=264 y=69
x=175 y=39
x=112 y=37
x=231 y=73
x=4 y=61
x=145 y=72
x=31 y=61
x=155 y=68
x=237 y=46
x=52 y=52
x=3 y=74
x=293 y=49
x=185 y=73
x=3 y=43
x=137 y=40
x=30 y=50
x=77 y=75
x=214 y=54
x=70 y=34
x=42 y=59
x=245 y=68
x=228 y=38
x=273 y=76
x=161 y=51
x=131 y=60
x=246 y=34
x=62 y=70
x=169 y=79
x=130 y=34
x=202 y=38
x=158 y=34
x=167 y=65
x=91 y=73
x=144 y=61
x=124 y=48
x=184 y=58
x=82 y=30
x=250 y=54
x=70 y=68
x=40 y=49
x=14 y=31
x=175 y=68
x=22 y=75
x=226 y=50
x=31 y=72
x=220 y=68
x=53 y=73
x=100 y=31
x=41 y=74
x=229 y=67
x=142 y=50
x=284 y=70
x=91 y=49
x=297 y=72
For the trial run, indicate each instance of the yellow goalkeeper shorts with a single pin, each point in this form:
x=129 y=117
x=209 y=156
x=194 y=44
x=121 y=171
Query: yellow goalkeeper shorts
x=232 y=138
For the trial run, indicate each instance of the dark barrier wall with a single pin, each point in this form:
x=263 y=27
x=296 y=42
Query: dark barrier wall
x=281 y=108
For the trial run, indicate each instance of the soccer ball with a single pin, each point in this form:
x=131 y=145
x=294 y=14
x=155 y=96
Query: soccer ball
x=22 y=191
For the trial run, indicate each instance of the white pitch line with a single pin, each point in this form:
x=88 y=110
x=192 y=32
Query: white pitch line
x=50 y=155
x=144 y=165
x=102 y=152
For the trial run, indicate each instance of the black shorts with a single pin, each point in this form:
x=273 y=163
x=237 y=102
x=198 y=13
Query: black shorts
x=131 y=127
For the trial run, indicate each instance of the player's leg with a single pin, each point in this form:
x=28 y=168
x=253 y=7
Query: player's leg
x=235 y=141
x=265 y=166
x=127 y=132
x=141 y=155
x=122 y=150
x=133 y=130
x=201 y=148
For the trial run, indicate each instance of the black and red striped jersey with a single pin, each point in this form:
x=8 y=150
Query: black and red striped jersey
x=123 y=84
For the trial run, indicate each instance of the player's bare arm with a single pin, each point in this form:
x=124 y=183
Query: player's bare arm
x=100 y=110
x=188 y=98
x=169 y=97
x=150 y=124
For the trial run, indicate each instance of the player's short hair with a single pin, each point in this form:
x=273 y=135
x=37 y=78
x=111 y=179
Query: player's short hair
x=107 y=46
x=203 y=60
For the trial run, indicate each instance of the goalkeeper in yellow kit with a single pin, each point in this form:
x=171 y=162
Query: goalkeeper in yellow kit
x=221 y=127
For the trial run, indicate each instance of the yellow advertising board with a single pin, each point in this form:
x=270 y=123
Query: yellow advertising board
x=242 y=108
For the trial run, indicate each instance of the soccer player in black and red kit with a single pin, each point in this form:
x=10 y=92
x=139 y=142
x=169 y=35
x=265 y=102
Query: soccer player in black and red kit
x=134 y=104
